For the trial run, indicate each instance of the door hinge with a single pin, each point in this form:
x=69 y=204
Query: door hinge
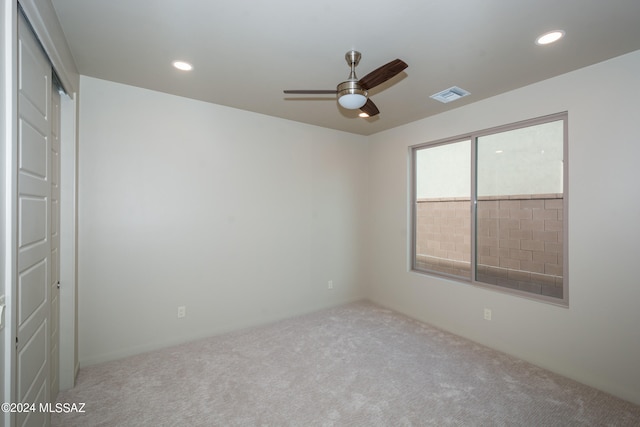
x=58 y=284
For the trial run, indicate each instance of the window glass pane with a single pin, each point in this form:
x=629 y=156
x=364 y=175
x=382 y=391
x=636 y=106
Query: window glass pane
x=519 y=216
x=443 y=224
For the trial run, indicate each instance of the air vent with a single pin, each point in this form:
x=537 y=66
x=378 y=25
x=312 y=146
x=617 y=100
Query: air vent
x=450 y=94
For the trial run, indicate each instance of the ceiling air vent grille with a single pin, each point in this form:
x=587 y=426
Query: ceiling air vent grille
x=450 y=94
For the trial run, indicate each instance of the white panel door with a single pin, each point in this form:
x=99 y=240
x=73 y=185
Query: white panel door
x=33 y=347
x=54 y=357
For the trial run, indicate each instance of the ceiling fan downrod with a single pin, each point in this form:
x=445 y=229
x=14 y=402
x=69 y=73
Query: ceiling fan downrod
x=353 y=59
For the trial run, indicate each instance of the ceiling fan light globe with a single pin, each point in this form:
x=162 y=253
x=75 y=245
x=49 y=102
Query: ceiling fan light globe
x=352 y=101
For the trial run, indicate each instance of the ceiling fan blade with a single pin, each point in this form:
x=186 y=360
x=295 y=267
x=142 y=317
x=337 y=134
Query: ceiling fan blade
x=311 y=92
x=382 y=74
x=370 y=108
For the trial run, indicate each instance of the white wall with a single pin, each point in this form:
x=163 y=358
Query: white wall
x=240 y=217
x=597 y=339
x=521 y=161
x=444 y=171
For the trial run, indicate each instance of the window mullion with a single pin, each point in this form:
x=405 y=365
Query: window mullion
x=473 y=206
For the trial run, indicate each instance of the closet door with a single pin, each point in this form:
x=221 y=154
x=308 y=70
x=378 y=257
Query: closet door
x=33 y=346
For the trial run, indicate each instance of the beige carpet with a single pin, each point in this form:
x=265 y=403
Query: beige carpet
x=355 y=365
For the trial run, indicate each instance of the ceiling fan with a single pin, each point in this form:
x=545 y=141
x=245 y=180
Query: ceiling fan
x=352 y=93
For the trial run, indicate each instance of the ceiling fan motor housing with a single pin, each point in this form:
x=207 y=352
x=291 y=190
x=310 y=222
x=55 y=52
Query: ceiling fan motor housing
x=351 y=95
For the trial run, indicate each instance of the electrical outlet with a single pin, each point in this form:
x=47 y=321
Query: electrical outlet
x=330 y=284
x=487 y=314
x=182 y=312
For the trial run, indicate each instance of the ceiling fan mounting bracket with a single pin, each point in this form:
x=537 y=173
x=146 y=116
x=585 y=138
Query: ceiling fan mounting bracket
x=353 y=58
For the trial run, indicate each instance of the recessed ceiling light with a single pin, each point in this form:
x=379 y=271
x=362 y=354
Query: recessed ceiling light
x=550 y=37
x=181 y=65
x=363 y=115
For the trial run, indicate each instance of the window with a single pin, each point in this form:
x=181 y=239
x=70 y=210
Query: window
x=443 y=226
x=489 y=208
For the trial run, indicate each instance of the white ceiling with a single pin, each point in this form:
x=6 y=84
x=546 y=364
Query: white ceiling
x=246 y=52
